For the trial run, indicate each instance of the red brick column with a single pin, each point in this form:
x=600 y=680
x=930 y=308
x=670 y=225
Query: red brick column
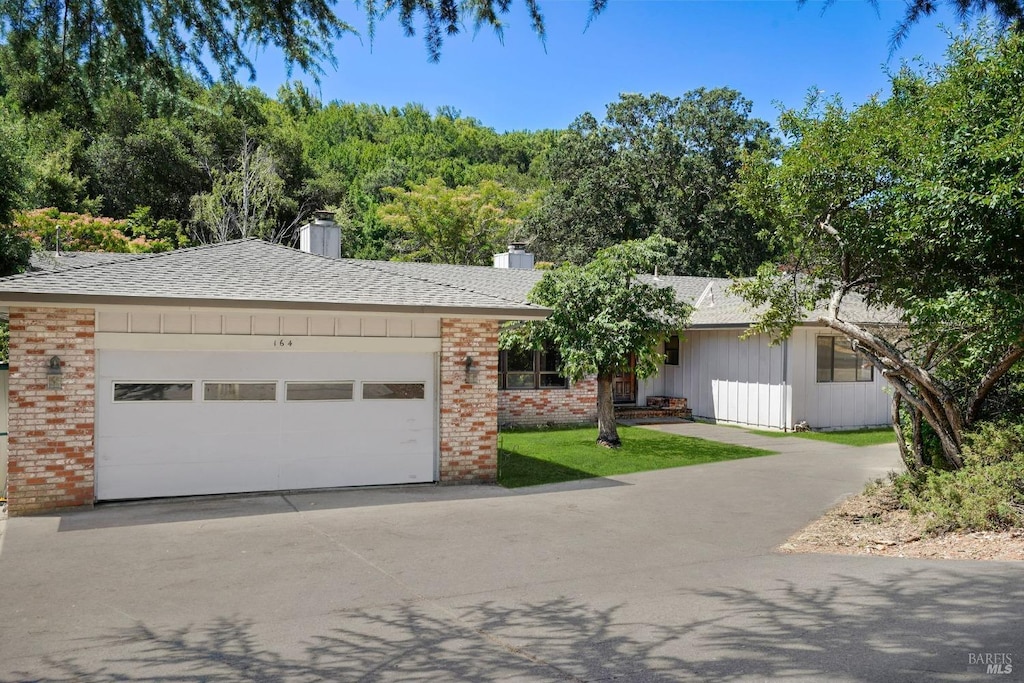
x=469 y=401
x=50 y=455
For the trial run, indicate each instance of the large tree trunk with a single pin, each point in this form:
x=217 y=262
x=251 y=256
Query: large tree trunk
x=911 y=453
x=607 y=433
x=928 y=398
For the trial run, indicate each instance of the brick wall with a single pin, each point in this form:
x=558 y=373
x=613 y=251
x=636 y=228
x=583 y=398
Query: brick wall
x=50 y=455
x=469 y=401
x=525 y=407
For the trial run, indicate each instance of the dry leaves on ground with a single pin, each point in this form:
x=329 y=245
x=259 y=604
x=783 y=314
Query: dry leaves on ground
x=872 y=525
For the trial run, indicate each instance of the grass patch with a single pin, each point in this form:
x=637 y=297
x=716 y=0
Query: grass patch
x=873 y=436
x=545 y=456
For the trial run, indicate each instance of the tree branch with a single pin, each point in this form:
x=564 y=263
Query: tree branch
x=988 y=381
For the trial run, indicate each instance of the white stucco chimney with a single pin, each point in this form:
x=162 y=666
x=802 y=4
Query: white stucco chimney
x=321 y=237
x=515 y=257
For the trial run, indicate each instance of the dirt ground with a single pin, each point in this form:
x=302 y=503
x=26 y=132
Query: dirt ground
x=869 y=525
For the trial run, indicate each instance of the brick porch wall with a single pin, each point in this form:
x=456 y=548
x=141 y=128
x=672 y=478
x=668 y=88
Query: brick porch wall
x=528 y=407
x=50 y=455
x=469 y=401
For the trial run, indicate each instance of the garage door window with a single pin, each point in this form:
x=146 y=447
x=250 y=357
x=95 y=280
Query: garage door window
x=239 y=391
x=127 y=392
x=393 y=390
x=318 y=391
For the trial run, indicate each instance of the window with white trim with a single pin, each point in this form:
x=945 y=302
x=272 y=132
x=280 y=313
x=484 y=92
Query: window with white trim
x=130 y=392
x=239 y=391
x=394 y=390
x=318 y=391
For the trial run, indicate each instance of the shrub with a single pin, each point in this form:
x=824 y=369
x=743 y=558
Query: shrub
x=82 y=232
x=986 y=494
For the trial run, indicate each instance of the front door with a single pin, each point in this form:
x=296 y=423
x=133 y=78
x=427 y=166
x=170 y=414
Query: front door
x=624 y=385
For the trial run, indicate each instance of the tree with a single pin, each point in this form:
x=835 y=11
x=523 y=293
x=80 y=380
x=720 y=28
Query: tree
x=243 y=199
x=15 y=250
x=464 y=225
x=913 y=204
x=656 y=165
x=137 y=160
x=603 y=316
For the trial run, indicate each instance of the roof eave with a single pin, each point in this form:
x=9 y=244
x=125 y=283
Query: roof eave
x=496 y=312
x=802 y=323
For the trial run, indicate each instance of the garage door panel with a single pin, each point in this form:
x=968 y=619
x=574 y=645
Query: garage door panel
x=191 y=479
x=353 y=469
x=240 y=451
x=161 y=448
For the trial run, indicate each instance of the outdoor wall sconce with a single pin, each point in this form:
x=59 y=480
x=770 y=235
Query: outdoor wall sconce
x=469 y=368
x=54 y=374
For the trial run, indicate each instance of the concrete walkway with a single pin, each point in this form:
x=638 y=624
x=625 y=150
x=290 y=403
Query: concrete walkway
x=668 y=575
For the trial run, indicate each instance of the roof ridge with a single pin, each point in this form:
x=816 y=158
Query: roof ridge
x=139 y=256
x=365 y=264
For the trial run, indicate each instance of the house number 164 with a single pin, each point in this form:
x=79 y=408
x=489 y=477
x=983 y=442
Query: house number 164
x=282 y=342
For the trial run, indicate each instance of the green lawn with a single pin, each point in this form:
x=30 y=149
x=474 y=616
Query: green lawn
x=544 y=456
x=854 y=437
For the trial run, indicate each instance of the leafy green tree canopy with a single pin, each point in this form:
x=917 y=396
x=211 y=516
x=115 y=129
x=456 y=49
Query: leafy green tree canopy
x=15 y=250
x=914 y=205
x=604 y=316
x=656 y=165
x=464 y=225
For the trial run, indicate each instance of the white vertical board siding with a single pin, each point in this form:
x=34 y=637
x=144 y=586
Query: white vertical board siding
x=728 y=379
x=832 y=405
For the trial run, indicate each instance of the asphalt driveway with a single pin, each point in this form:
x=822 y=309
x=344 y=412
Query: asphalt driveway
x=668 y=575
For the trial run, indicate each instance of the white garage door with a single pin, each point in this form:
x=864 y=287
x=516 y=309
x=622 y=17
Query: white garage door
x=173 y=423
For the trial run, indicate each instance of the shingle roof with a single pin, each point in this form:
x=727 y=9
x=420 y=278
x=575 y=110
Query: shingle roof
x=50 y=261
x=505 y=283
x=718 y=306
x=518 y=283
x=254 y=272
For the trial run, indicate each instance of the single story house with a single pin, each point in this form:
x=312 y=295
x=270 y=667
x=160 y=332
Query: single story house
x=247 y=366
x=813 y=377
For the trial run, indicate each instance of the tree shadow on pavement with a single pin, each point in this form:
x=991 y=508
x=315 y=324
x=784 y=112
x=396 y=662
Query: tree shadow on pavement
x=419 y=641
x=912 y=624
x=903 y=625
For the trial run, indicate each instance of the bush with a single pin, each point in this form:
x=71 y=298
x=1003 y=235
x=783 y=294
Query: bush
x=82 y=232
x=986 y=494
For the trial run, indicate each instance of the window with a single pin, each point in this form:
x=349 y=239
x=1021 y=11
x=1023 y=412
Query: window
x=528 y=369
x=318 y=391
x=125 y=392
x=672 y=350
x=239 y=391
x=838 y=362
x=394 y=390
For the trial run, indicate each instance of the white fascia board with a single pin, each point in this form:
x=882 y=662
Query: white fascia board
x=127 y=341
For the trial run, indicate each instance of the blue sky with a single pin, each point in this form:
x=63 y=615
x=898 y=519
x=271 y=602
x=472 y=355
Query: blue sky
x=772 y=51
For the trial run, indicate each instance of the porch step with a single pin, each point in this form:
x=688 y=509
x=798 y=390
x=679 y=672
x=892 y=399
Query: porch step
x=651 y=413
